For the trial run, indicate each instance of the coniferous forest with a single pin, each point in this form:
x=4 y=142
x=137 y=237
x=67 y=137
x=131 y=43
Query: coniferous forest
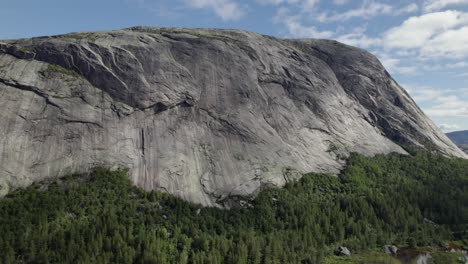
x=419 y=200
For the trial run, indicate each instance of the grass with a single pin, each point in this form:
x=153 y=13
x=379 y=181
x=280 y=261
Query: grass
x=54 y=68
x=23 y=49
x=180 y=31
x=203 y=36
x=448 y=258
x=84 y=35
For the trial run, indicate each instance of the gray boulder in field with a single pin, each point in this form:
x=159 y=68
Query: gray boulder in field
x=391 y=249
x=203 y=114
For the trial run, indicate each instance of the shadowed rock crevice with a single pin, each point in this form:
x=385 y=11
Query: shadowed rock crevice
x=32 y=89
x=17 y=51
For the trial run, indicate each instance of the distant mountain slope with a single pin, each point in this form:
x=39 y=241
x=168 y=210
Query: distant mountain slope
x=464 y=147
x=459 y=137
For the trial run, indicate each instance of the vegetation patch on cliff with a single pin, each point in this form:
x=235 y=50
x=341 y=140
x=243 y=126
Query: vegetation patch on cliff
x=57 y=69
x=90 y=36
x=166 y=31
x=418 y=200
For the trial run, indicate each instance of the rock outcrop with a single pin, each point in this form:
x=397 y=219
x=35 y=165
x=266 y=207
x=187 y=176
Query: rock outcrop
x=391 y=249
x=202 y=114
x=343 y=251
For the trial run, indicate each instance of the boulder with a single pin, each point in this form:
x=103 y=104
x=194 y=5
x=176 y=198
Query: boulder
x=391 y=249
x=344 y=251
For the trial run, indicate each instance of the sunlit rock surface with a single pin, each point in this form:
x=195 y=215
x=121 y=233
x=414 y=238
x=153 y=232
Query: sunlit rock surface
x=202 y=114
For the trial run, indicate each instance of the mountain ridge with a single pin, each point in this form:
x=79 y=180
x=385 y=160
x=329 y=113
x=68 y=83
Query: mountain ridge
x=202 y=114
x=460 y=138
x=464 y=147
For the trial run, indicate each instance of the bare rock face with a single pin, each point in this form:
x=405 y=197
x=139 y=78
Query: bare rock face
x=202 y=114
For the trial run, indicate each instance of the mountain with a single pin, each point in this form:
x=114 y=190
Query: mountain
x=460 y=138
x=206 y=115
x=464 y=147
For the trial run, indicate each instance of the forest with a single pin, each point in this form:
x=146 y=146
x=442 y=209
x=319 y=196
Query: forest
x=418 y=200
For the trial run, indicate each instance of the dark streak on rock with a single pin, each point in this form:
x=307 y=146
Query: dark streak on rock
x=30 y=89
x=142 y=133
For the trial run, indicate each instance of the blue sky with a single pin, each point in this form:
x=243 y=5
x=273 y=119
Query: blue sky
x=424 y=43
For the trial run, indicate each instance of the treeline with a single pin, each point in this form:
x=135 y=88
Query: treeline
x=417 y=200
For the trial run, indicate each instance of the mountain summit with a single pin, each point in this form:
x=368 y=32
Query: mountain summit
x=203 y=114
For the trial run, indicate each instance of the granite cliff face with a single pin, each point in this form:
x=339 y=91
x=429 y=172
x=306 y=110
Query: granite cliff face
x=202 y=114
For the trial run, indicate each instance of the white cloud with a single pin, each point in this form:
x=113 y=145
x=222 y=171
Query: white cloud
x=406 y=53
x=367 y=10
x=340 y=2
x=442 y=34
x=449 y=127
x=393 y=64
x=415 y=31
x=278 y=2
x=359 y=38
x=436 y=5
x=423 y=94
x=441 y=102
x=308 y=5
x=452 y=43
x=460 y=64
x=407 y=9
x=432 y=67
x=452 y=107
x=296 y=28
x=225 y=9
x=304 y=5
